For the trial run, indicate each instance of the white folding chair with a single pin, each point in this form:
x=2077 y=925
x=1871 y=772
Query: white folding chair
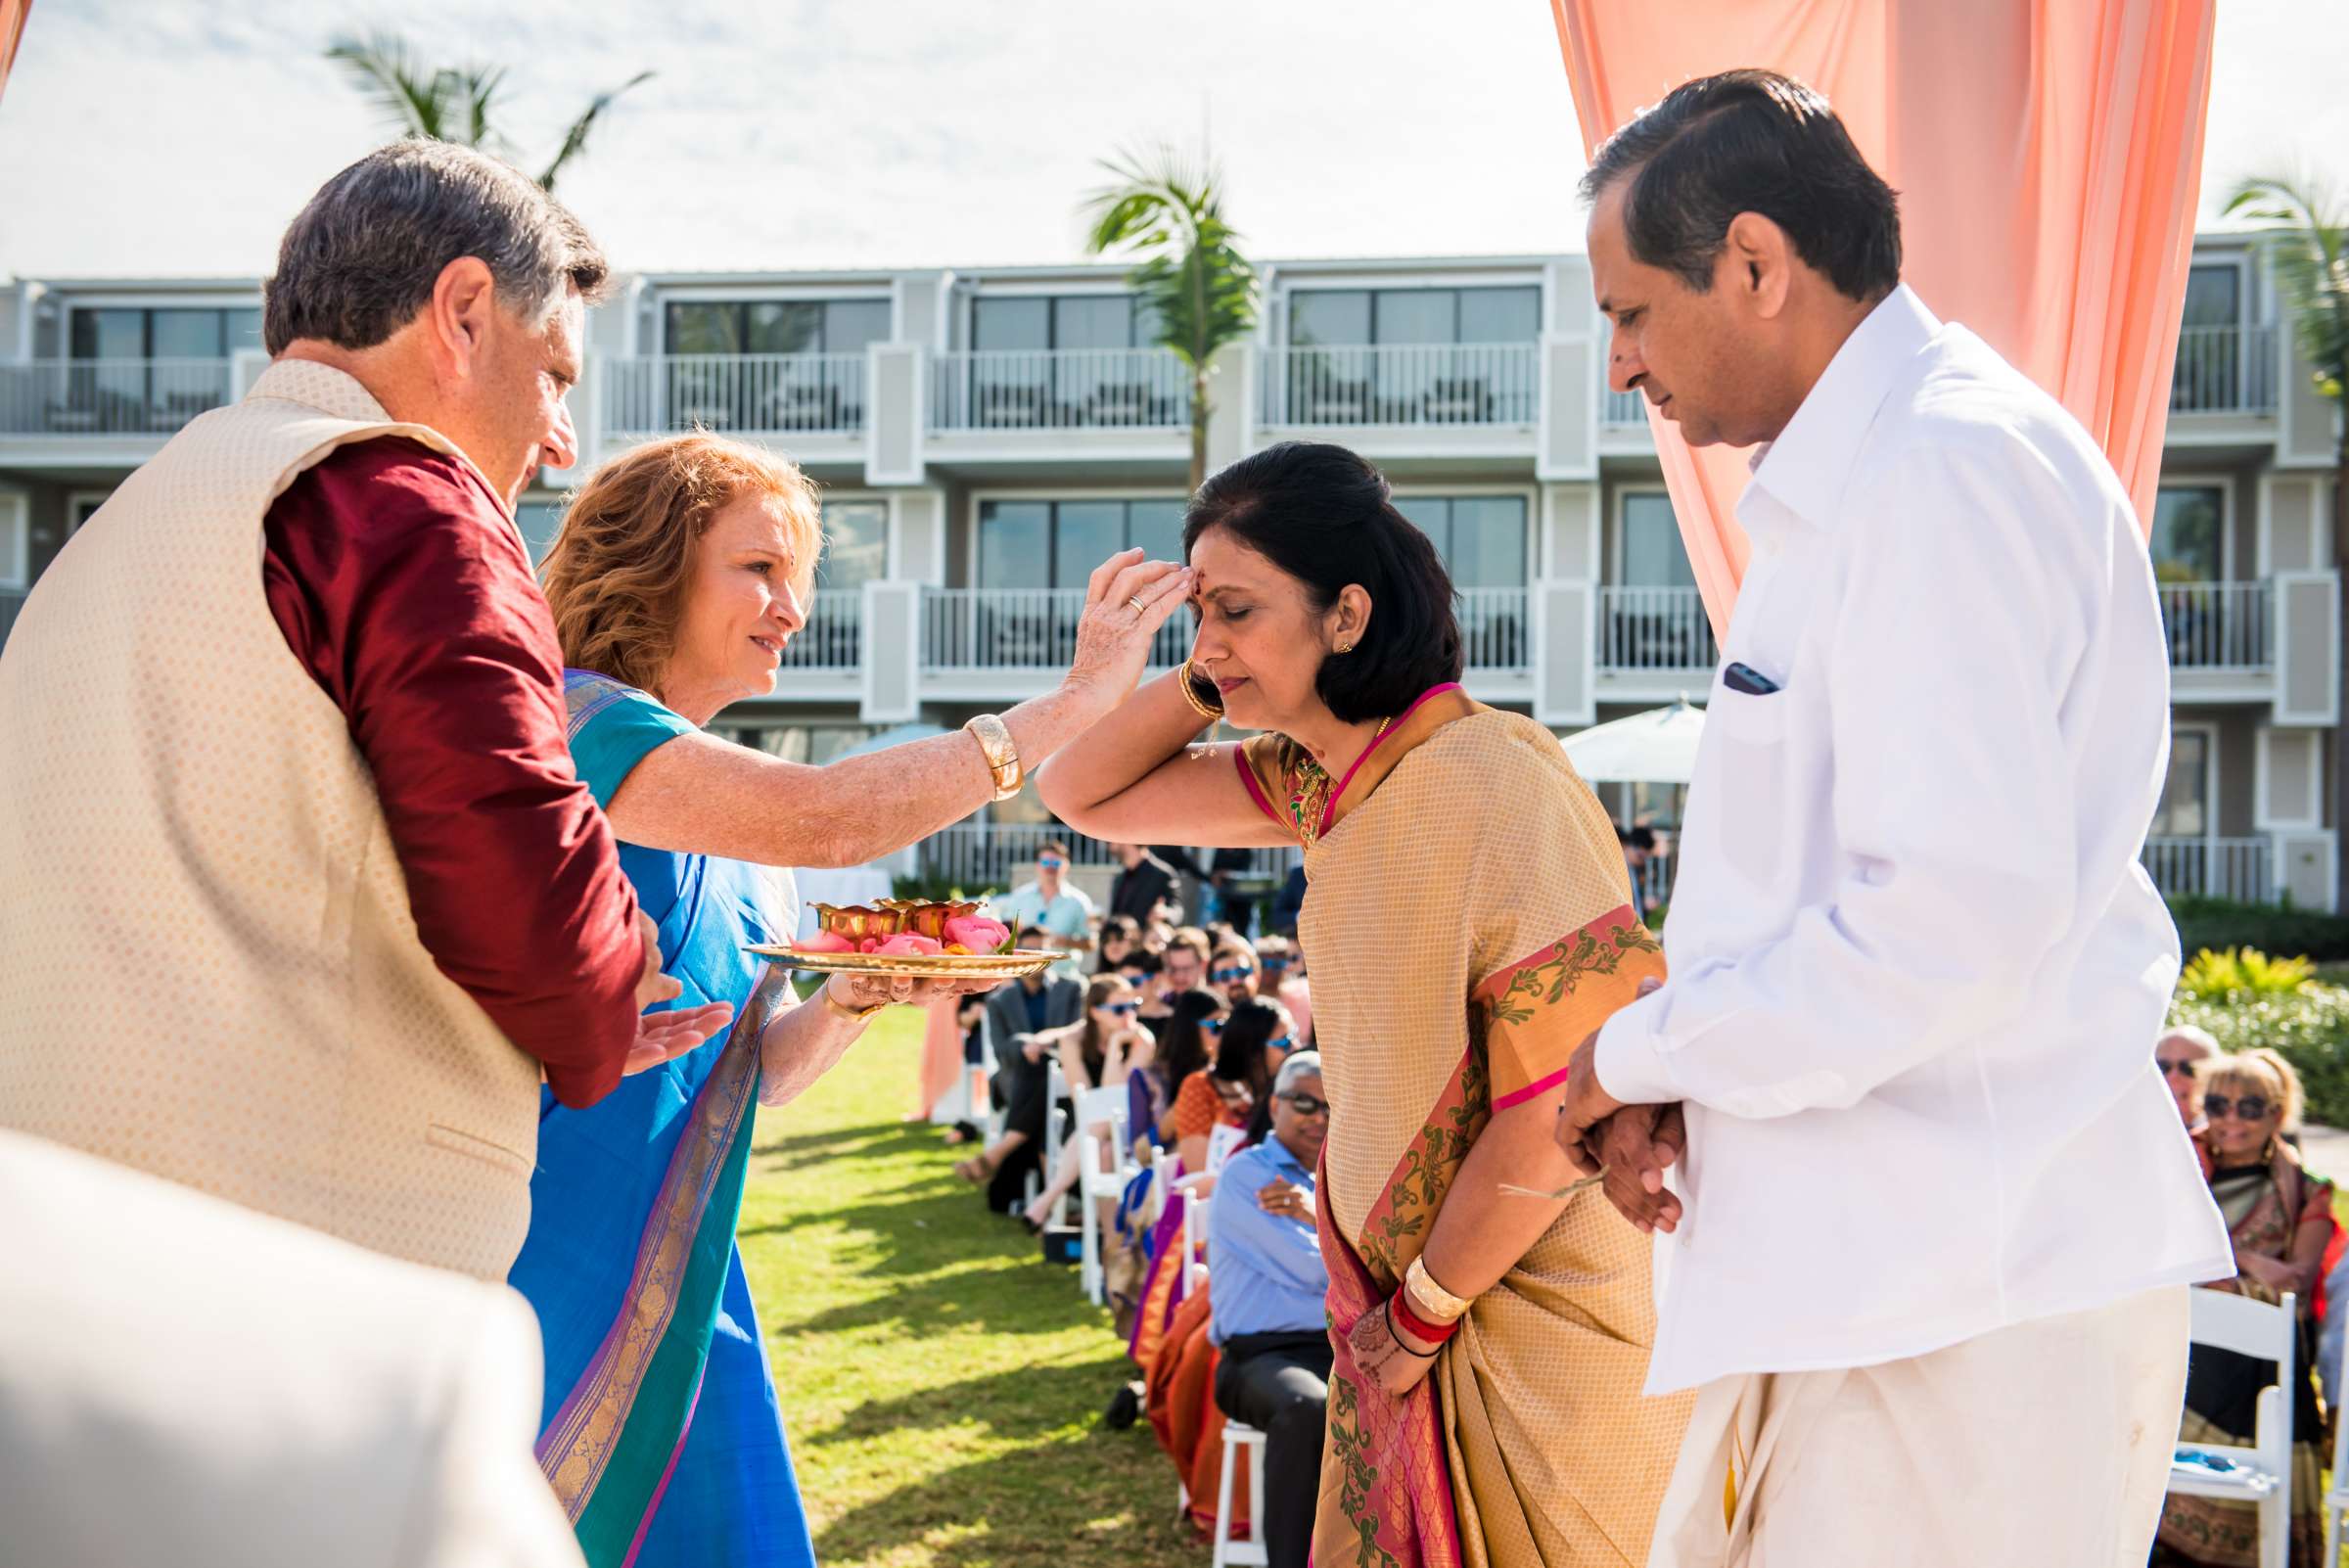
x=1194 y=1226
x=1057 y=1129
x=1249 y=1548
x=1094 y=1107
x=2262 y=1473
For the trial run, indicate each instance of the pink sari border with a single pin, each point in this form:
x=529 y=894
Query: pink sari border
x=1376 y=741
x=1532 y=1090
x=1255 y=791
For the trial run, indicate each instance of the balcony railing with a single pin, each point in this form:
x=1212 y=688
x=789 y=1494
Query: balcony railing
x=779 y=395
x=109 y=397
x=2211 y=868
x=2225 y=370
x=1060 y=389
x=1403 y=384
x=1021 y=629
x=833 y=639
x=1655 y=628
x=1496 y=627
x=2219 y=626
x=981 y=856
x=1624 y=410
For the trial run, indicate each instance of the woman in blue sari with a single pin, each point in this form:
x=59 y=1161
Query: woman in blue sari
x=681 y=572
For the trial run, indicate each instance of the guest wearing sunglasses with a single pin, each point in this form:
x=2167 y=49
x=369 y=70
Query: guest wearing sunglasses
x=2280 y=1217
x=2176 y=1053
x=1064 y=912
x=1236 y=969
x=1098 y=1052
x=1266 y=1311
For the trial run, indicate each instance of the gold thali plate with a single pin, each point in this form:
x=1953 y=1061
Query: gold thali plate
x=1011 y=965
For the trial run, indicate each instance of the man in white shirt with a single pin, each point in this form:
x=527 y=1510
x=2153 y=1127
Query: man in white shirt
x=1935 y=1213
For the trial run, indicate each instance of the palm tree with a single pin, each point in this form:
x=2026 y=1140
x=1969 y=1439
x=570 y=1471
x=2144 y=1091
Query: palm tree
x=452 y=103
x=1168 y=211
x=2309 y=253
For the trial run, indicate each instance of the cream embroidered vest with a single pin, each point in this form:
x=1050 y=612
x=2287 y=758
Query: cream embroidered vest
x=208 y=969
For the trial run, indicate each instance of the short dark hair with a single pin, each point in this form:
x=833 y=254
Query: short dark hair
x=358 y=262
x=1327 y=518
x=1053 y=847
x=1750 y=141
x=1143 y=959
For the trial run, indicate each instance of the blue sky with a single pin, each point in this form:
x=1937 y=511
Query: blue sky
x=163 y=138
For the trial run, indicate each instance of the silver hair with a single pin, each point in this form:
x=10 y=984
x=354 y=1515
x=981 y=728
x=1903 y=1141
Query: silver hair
x=2192 y=1035
x=360 y=260
x=1299 y=1064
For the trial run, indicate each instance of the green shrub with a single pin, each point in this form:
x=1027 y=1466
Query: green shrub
x=2310 y=1027
x=2246 y=971
x=2217 y=924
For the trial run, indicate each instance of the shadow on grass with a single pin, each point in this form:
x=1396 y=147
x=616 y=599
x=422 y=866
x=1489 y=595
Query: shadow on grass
x=1099 y=1499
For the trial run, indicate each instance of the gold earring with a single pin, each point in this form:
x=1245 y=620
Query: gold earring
x=1345 y=647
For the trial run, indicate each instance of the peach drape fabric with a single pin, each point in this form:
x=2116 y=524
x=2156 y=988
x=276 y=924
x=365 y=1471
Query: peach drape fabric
x=12 y=32
x=2049 y=157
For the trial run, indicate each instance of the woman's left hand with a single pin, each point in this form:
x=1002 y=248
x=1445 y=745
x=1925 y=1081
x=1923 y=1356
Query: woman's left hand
x=1387 y=1354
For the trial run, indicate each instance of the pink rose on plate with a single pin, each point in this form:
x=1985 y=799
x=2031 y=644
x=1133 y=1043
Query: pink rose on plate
x=905 y=945
x=978 y=934
x=825 y=942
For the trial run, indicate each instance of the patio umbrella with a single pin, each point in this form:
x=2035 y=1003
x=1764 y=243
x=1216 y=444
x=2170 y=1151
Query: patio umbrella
x=1657 y=747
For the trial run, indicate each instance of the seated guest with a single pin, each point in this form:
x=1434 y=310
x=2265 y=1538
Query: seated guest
x=2176 y=1053
x=1184 y=964
x=1140 y=969
x=1019 y=1021
x=1198 y=1103
x=1256 y=1039
x=1234 y=970
x=1265 y=1259
x=1182 y=1049
x=1282 y=964
x=2279 y=1215
x=1098 y=1052
x=1144 y=883
x=1289 y=903
x=1062 y=913
x=1119 y=935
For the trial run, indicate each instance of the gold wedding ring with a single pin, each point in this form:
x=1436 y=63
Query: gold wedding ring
x=1136 y=602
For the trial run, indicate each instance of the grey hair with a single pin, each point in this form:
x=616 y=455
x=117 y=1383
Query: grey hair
x=2193 y=1035
x=360 y=260
x=1299 y=1064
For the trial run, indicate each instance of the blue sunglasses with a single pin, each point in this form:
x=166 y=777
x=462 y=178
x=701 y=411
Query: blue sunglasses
x=1214 y=1025
x=1282 y=1045
x=1122 y=1009
x=1225 y=977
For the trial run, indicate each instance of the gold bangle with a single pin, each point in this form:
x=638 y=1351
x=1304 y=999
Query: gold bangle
x=1002 y=757
x=1443 y=1306
x=1190 y=694
x=860 y=1014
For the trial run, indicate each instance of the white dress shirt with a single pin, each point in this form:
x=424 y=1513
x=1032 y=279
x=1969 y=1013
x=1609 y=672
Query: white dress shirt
x=1916 y=968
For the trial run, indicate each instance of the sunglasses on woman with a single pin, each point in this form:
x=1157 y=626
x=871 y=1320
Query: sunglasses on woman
x=1225 y=977
x=1285 y=1042
x=2250 y=1108
x=1306 y=1104
x=1214 y=1025
x=1123 y=1009
x=2175 y=1066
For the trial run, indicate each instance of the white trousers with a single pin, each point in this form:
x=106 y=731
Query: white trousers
x=2043 y=1445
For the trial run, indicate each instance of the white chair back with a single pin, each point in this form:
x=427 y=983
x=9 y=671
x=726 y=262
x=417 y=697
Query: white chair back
x=2262 y=1470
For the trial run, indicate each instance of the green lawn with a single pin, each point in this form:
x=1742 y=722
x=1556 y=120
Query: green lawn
x=942 y=1385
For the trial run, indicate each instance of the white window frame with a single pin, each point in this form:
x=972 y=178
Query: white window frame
x=2209 y=729
x=891 y=550
x=1027 y=493
x=1530 y=494
x=2223 y=484
x=2263 y=766
x=764 y=294
x=74 y=503
x=1616 y=526
x=16 y=541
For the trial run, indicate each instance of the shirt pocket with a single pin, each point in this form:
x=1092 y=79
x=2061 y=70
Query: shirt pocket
x=1752 y=778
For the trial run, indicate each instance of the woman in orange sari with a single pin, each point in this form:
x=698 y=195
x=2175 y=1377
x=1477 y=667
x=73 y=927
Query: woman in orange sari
x=1468 y=922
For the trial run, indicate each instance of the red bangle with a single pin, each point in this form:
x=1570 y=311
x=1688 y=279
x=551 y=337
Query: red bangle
x=1420 y=1327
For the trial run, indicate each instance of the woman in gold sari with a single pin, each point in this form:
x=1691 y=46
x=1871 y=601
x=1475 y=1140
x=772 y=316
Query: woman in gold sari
x=1468 y=923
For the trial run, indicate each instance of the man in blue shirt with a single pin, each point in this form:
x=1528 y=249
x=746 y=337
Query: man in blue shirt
x=1267 y=1284
x=1064 y=912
